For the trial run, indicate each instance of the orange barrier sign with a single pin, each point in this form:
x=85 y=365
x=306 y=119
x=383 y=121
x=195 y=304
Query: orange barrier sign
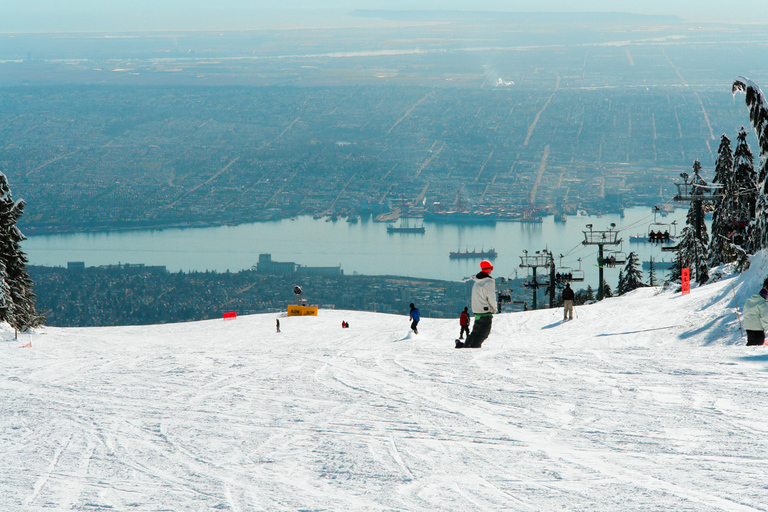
x=685 y=277
x=302 y=310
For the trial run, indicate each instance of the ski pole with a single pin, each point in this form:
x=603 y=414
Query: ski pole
x=741 y=328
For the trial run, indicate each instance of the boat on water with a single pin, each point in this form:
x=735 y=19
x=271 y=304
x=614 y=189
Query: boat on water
x=490 y=253
x=406 y=229
x=461 y=218
x=658 y=265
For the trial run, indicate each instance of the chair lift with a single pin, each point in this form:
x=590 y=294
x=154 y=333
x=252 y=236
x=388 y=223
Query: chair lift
x=672 y=248
x=614 y=258
x=563 y=273
x=578 y=274
x=573 y=274
x=661 y=227
x=617 y=257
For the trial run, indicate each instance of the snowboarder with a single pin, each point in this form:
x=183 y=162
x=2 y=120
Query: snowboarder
x=483 y=306
x=567 y=302
x=415 y=317
x=756 y=317
x=464 y=323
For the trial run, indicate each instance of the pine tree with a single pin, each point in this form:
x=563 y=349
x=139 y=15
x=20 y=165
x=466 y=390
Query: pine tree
x=744 y=198
x=720 y=250
x=607 y=292
x=758 y=115
x=651 y=273
x=17 y=305
x=632 y=276
x=692 y=252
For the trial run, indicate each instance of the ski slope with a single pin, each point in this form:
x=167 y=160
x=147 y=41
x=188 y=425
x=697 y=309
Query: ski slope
x=645 y=402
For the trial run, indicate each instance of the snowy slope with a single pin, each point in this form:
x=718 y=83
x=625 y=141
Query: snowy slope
x=645 y=402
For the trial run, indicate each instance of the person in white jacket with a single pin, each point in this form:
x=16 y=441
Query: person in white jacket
x=756 y=317
x=483 y=306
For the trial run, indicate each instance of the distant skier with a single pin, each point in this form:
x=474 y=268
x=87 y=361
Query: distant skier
x=567 y=302
x=415 y=317
x=483 y=306
x=277 y=322
x=464 y=323
x=756 y=317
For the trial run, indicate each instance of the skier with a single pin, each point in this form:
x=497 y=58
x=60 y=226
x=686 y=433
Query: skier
x=464 y=323
x=756 y=317
x=277 y=320
x=567 y=302
x=414 y=316
x=483 y=306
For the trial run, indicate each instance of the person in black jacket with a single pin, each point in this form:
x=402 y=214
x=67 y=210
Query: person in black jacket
x=567 y=302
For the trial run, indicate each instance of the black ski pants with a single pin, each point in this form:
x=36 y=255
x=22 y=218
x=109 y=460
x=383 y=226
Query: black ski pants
x=755 y=338
x=480 y=331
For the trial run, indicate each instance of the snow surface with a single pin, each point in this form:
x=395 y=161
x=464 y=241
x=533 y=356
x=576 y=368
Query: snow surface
x=646 y=402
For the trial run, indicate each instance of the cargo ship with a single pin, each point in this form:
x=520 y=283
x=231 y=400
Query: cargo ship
x=490 y=253
x=405 y=227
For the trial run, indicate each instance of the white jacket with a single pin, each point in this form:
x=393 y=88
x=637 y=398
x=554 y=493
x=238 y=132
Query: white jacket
x=483 y=294
x=756 y=313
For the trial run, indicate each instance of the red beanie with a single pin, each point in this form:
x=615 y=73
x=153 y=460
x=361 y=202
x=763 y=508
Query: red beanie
x=486 y=265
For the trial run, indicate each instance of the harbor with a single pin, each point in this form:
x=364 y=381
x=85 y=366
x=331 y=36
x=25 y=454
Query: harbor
x=363 y=247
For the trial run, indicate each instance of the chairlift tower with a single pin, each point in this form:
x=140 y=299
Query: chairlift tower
x=541 y=259
x=601 y=238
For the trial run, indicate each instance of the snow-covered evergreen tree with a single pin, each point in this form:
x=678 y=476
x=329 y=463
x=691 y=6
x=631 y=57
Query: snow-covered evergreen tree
x=692 y=252
x=651 y=274
x=744 y=199
x=720 y=250
x=584 y=296
x=607 y=292
x=17 y=305
x=632 y=277
x=758 y=115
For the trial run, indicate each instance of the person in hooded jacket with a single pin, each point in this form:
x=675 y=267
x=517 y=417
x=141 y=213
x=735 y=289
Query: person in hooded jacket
x=414 y=317
x=483 y=306
x=756 y=317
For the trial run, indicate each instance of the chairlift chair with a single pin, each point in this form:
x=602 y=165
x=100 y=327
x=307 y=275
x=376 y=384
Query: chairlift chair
x=619 y=257
x=575 y=274
x=661 y=227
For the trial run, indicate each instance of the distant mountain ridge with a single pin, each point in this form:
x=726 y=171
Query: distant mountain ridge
x=519 y=17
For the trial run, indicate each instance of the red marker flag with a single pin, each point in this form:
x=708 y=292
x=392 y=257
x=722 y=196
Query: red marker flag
x=230 y=316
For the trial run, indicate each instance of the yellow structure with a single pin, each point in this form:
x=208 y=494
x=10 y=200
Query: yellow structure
x=302 y=310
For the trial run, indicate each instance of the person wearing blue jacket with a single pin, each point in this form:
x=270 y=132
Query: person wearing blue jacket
x=415 y=317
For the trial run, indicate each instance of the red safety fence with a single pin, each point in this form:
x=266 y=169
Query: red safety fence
x=230 y=315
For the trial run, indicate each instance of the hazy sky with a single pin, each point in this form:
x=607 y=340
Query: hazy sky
x=122 y=15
